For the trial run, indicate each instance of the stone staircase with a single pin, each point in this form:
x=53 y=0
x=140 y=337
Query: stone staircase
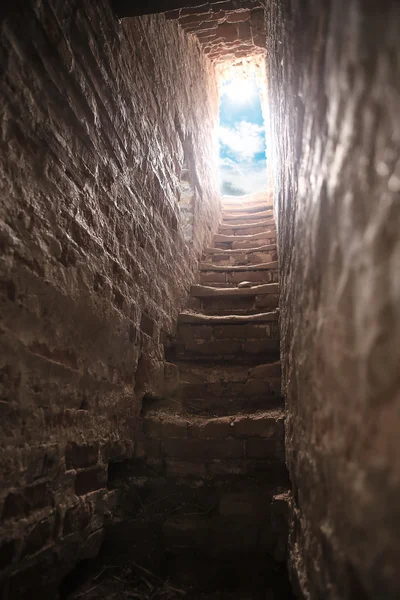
x=214 y=475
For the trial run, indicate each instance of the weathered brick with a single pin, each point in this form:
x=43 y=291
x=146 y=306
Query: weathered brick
x=212 y=428
x=77 y=518
x=228 y=32
x=256 y=387
x=91 y=546
x=262 y=448
x=152 y=448
x=21 y=504
x=238 y=16
x=78 y=456
x=241 y=331
x=261 y=426
x=177 y=468
x=40 y=536
x=90 y=480
x=253 y=276
x=203 y=449
x=171 y=378
x=207 y=277
x=266 y=371
x=174 y=428
x=266 y=346
x=147 y=325
x=214 y=348
x=152 y=427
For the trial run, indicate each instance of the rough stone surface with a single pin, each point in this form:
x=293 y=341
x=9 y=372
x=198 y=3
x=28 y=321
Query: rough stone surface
x=227 y=31
x=335 y=106
x=95 y=130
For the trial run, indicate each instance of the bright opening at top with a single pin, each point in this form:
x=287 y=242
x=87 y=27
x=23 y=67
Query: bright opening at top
x=242 y=138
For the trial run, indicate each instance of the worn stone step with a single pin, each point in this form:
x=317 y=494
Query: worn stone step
x=246 y=209
x=234 y=301
x=218 y=388
x=166 y=425
x=249 y=256
x=202 y=291
x=230 y=349
x=239 y=526
x=245 y=217
x=228 y=340
x=232 y=242
x=219 y=507
x=247 y=206
x=213 y=329
x=242 y=229
x=199 y=319
x=227 y=239
x=231 y=276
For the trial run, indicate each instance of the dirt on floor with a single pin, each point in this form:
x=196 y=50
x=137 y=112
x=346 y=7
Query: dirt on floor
x=116 y=581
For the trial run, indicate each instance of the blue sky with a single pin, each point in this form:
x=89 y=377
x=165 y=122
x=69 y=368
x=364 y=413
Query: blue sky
x=242 y=138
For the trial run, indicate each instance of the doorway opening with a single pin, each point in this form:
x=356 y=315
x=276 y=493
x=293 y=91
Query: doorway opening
x=242 y=132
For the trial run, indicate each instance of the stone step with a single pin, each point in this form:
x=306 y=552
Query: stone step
x=238 y=242
x=211 y=320
x=250 y=256
x=234 y=301
x=220 y=389
x=193 y=430
x=230 y=276
x=244 y=217
x=246 y=207
x=218 y=339
x=219 y=508
x=241 y=229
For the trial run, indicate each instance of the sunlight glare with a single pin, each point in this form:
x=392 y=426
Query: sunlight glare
x=240 y=91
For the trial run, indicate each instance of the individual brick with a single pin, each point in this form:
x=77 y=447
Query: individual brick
x=79 y=456
x=77 y=518
x=90 y=480
x=203 y=448
x=259 y=426
x=174 y=428
x=214 y=348
x=256 y=387
x=152 y=427
x=255 y=347
x=21 y=504
x=241 y=331
x=147 y=325
x=212 y=428
x=39 y=537
x=171 y=378
x=262 y=448
x=177 y=468
x=266 y=371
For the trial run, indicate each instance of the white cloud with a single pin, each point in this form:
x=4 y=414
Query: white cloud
x=245 y=178
x=245 y=139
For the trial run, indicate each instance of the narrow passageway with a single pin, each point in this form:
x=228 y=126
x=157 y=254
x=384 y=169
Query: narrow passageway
x=212 y=484
x=199 y=300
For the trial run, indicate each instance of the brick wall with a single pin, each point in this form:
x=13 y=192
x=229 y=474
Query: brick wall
x=333 y=80
x=227 y=31
x=94 y=265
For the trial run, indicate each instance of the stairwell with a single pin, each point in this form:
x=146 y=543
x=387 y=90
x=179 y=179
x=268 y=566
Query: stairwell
x=214 y=484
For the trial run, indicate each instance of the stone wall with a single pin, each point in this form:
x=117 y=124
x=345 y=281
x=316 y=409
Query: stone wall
x=96 y=114
x=227 y=31
x=335 y=119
